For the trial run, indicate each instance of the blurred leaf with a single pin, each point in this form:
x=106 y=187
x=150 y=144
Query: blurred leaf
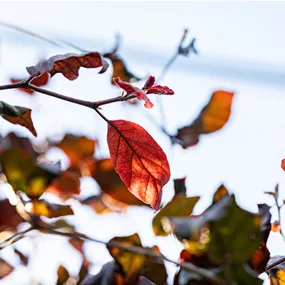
x=275 y=227
x=277 y=273
x=155 y=272
x=211 y=118
x=23 y=174
x=110 y=182
x=5 y=268
x=69 y=64
x=145 y=281
x=9 y=217
x=179 y=186
x=44 y=208
x=24 y=259
x=96 y=203
x=37 y=81
x=62 y=275
x=220 y=193
x=180 y=206
x=259 y=258
x=18 y=116
x=120 y=69
x=110 y=274
x=66 y=185
x=131 y=262
x=77 y=148
x=139 y=160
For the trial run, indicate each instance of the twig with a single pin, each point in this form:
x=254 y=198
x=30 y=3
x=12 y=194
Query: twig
x=278 y=210
x=16 y=237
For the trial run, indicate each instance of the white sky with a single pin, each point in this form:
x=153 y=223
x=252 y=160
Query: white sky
x=244 y=36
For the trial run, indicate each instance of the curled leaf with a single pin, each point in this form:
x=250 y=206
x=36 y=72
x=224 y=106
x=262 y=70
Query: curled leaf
x=69 y=64
x=139 y=161
x=211 y=118
x=18 y=116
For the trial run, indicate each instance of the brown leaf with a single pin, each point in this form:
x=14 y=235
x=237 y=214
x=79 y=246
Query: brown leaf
x=37 y=81
x=139 y=160
x=66 y=185
x=277 y=273
x=44 y=208
x=69 y=64
x=62 y=275
x=179 y=186
x=24 y=259
x=220 y=193
x=260 y=258
x=9 y=217
x=180 y=206
x=18 y=116
x=96 y=203
x=77 y=148
x=5 y=268
x=211 y=118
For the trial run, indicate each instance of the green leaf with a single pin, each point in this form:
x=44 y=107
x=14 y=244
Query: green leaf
x=180 y=206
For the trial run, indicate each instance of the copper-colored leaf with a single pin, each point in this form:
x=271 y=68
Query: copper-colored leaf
x=131 y=262
x=66 y=185
x=62 y=275
x=139 y=160
x=211 y=118
x=37 y=81
x=96 y=203
x=180 y=206
x=69 y=64
x=44 y=208
x=260 y=258
x=5 y=268
x=275 y=227
x=18 y=116
x=277 y=273
x=110 y=182
x=220 y=193
x=283 y=164
x=77 y=148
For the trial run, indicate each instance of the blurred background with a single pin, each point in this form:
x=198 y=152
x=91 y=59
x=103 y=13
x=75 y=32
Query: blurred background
x=241 y=49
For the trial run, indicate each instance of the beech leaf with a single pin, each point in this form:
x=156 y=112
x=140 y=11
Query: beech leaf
x=69 y=64
x=18 y=116
x=211 y=118
x=139 y=161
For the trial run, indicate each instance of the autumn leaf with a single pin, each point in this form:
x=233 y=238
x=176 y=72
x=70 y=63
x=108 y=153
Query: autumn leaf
x=69 y=64
x=212 y=118
x=77 y=148
x=277 y=273
x=5 y=268
x=66 y=185
x=18 y=116
x=110 y=182
x=44 y=208
x=95 y=202
x=24 y=174
x=37 y=81
x=179 y=186
x=62 y=275
x=180 y=206
x=139 y=160
x=131 y=262
x=220 y=193
x=120 y=68
x=24 y=259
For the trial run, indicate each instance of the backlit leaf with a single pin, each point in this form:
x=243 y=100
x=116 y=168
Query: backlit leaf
x=139 y=160
x=18 y=116
x=211 y=118
x=77 y=148
x=37 y=81
x=44 y=208
x=69 y=64
x=180 y=206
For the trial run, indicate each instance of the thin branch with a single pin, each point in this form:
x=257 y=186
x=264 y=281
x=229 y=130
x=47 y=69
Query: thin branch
x=140 y=250
x=14 y=238
x=278 y=211
x=269 y=267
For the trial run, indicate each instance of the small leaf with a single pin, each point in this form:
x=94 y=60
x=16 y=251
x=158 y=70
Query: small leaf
x=77 y=148
x=62 y=275
x=131 y=262
x=283 y=164
x=139 y=160
x=69 y=64
x=44 y=208
x=180 y=206
x=220 y=193
x=211 y=118
x=66 y=185
x=5 y=268
x=24 y=259
x=277 y=273
x=259 y=258
x=275 y=227
x=37 y=81
x=18 y=116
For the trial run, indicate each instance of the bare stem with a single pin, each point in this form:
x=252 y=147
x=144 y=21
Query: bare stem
x=14 y=238
x=279 y=216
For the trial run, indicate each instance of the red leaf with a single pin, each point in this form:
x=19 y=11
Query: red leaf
x=37 y=81
x=69 y=64
x=139 y=161
x=283 y=164
x=149 y=83
x=158 y=89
